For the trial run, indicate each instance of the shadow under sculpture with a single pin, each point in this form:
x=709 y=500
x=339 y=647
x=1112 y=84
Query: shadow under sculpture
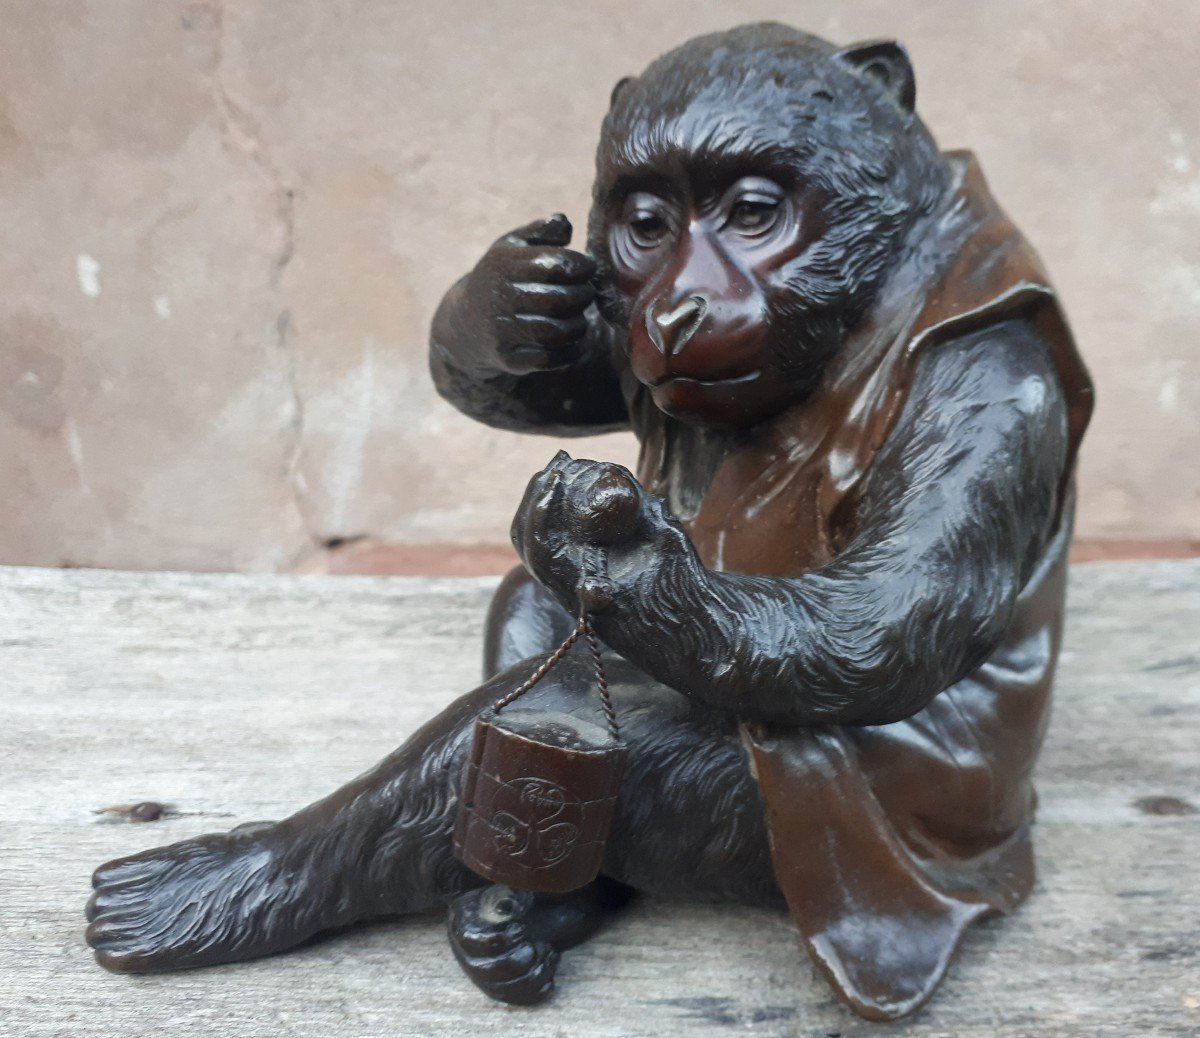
x=831 y=601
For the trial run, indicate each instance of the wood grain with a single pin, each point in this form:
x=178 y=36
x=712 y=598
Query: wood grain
x=234 y=698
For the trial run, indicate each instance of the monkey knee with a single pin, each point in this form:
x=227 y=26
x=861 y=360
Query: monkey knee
x=522 y=621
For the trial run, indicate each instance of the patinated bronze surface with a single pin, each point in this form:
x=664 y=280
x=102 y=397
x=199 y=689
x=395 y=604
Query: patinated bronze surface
x=831 y=601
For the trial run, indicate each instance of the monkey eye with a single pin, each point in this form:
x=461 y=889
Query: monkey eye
x=648 y=229
x=647 y=220
x=753 y=214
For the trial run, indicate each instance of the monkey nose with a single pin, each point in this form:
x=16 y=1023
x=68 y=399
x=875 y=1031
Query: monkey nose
x=671 y=331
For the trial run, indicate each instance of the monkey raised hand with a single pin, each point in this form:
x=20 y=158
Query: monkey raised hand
x=518 y=343
x=525 y=303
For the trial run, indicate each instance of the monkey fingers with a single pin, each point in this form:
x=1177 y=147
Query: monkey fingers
x=540 y=532
x=554 y=230
x=550 y=332
x=562 y=301
x=557 y=266
x=526 y=359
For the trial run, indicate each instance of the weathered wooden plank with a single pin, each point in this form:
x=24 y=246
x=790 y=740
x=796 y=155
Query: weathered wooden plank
x=237 y=698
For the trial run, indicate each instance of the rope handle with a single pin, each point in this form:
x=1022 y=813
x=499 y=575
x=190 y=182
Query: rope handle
x=584 y=628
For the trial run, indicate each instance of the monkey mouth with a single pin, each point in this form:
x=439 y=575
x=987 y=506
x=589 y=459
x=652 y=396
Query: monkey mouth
x=689 y=380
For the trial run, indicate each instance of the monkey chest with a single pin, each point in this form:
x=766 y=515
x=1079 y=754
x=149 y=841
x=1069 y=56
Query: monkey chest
x=780 y=524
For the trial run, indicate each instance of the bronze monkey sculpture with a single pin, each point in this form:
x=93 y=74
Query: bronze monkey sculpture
x=833 y=613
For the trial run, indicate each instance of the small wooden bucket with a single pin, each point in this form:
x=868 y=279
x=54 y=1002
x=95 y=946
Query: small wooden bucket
x=538 y=799
x=539 y=792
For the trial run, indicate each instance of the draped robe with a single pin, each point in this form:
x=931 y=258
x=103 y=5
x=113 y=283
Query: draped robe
x=888 y=841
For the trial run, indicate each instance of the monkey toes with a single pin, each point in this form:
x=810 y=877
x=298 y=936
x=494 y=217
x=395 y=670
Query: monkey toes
x=213 y=899
x=491 y=941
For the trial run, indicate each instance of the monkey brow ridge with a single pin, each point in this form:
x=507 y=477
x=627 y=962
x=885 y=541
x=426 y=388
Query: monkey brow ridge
x=656 y=161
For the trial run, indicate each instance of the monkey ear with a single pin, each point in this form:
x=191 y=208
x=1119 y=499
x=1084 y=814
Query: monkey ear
x=887 y=62
x=622 y=83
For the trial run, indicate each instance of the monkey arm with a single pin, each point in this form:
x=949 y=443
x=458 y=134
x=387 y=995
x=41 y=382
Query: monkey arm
x=577 y=400
x=957 y=510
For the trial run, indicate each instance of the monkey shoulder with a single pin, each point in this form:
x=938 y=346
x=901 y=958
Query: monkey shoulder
x=983 y=433
x=987 y=386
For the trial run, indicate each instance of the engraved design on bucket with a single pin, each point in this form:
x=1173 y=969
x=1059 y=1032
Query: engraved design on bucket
x=546 y=828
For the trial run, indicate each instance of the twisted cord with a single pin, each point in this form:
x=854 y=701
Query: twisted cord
x=610 y=715
x=543 y=670
x=583 y=627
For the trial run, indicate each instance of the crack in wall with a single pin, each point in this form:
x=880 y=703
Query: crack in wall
x=241 y=133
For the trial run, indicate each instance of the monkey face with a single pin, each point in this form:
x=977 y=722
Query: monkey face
x=696 y=264
x=753 y=191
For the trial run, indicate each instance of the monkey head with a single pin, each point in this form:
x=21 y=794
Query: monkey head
x=753 y=189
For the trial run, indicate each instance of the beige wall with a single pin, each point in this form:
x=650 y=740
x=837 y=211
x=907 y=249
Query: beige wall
x=225 y=228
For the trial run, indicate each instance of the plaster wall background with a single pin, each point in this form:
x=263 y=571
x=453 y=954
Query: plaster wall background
x=225 y=228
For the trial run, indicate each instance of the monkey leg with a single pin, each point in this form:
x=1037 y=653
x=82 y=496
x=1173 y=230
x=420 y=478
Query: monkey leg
x=381 y=845
x=690 y=823
x=522 y=621
x=378 y=846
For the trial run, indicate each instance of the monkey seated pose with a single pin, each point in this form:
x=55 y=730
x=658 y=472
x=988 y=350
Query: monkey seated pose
x=832 y=620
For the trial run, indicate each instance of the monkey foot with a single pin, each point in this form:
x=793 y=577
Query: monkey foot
x=217 y=898
x=491 y=940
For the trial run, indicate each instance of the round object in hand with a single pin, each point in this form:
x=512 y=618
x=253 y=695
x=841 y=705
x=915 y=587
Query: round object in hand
x=612 y=506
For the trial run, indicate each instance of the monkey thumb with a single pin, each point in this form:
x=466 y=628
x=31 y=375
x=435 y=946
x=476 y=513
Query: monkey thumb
x=556 y=230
